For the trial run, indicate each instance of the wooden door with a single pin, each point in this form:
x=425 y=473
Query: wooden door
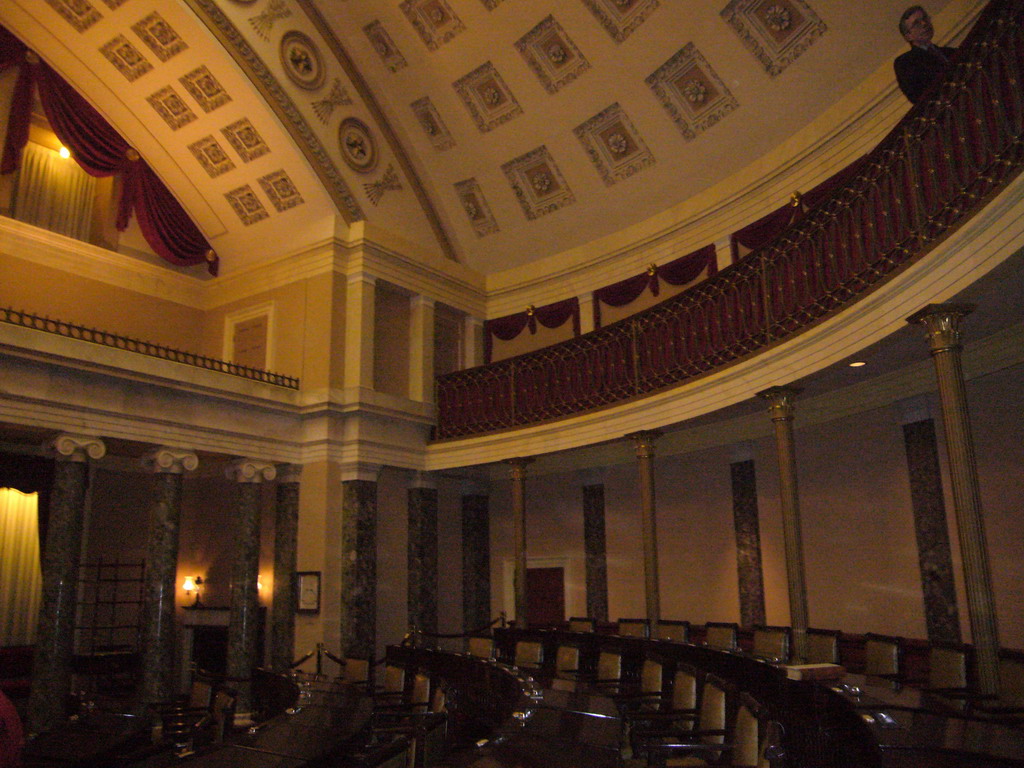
x=545 y=596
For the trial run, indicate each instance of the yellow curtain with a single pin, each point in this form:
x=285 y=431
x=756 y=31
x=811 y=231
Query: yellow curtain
x=21 y=578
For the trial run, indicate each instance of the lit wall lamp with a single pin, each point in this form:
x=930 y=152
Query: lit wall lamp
x=192 y=584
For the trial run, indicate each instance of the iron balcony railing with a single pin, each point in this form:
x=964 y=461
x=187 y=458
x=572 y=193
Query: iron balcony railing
x=939 y=166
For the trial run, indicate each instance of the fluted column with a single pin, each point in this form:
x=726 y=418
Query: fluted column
x=421 y=349
x=517 y=471
x=244 y=615
x=594 y=548
x=780 y=407
x=422 y=555
x=359 y=562
x=286 y=537
x=942 y=330
x=55 y=635
x=748 y=537
x=644 y=442
x=476 y=558
x=158 y=683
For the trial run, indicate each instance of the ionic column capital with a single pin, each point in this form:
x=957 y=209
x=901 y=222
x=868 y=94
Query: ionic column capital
x=289 y=473
x=175 y=461
x=423 y=480
x=780 y=401
x=360 y=470
x=644 y=442
x=79 y=448
x=942 y=324
x=250 y=471
x=517 y=466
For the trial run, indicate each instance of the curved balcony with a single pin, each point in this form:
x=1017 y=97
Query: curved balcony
x=946 y=161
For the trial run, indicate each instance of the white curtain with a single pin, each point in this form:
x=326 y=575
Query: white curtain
x=53 y=193
x=21 y=578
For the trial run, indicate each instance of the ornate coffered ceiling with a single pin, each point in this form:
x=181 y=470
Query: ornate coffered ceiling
x=493 y=132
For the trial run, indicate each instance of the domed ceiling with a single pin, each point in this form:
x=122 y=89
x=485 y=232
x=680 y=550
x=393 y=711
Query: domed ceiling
x=492 y=132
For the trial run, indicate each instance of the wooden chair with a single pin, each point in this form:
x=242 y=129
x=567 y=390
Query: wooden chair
x=529 y=654
x=356 y=672
x=567 y=668
x=883 y=658
x=633 y=628
x=771 y=643
x=481 y=647
x=671 y=629
x=756 y=740
x=721 y=635
x=823 y=646
x=582 y=624
x=708 y=741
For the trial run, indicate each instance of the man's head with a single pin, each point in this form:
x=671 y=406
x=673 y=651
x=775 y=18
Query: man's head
x=916 y=26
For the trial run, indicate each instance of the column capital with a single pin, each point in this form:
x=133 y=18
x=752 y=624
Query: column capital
x=780 y=401
x=360 y=470
x=80 y=448
x=942 y=324
x=250 y=471
x=423 y=480
x=175 y=461
x=355 y=278
x=288 y=473
x=517 y=466
x=644 y=442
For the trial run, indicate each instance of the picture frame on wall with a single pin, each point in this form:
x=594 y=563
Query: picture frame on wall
x=308 y=586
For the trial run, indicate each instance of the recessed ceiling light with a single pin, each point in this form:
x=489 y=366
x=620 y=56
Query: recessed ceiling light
x=857 y=363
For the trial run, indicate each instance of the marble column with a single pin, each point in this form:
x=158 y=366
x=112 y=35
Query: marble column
x=159 y=683
x=244 y=615
x=780 y=407
x=286 y=539
x=644 y=442
x=476 y=558
x=941 y=615
x=359 y=562
x=748 y=538
x=55 y=635
x=594 y=549
x=942 y=330
x=422 y=556
x=517 y=471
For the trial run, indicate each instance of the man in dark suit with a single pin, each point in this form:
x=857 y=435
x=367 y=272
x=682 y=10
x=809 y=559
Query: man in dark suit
x=924 y=62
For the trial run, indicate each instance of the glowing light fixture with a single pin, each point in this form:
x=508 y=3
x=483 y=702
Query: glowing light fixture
x=64 y=152
x=192 y=584
x=857 y=364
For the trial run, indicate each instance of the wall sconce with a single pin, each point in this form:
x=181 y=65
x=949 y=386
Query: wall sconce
x=192 y=584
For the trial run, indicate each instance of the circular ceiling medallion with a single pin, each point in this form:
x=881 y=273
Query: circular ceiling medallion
x=357 y=145
x=301 y=60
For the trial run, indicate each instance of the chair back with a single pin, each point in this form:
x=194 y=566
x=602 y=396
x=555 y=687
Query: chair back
x=685 y=687
x=529 y=654
x=721 y=635
x=394 y=679
x=481 y=647
x=1011 y=678
x=671 y=629
x=771 y=643
x=633 y=628
x=947 y=666
x=223 y=711
x=582 y=624
x=419 y=694
x=609 y=666
x=652 y=677
x=823 y=646
x=200 y=694
x=714 y=709
x=439 y=700
x=357 y=671
x=567 y=662
x=882 y=655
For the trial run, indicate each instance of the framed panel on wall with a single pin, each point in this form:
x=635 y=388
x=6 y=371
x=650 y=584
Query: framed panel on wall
x=308 y=586
x=249 y=337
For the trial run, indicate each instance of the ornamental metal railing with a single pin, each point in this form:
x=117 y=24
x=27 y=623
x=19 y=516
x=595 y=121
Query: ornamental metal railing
x=939 y=166
x=107 y=339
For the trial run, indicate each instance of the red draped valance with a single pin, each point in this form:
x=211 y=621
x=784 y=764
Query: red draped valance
x=100 y=151
x=679 y=271
x=550 y=316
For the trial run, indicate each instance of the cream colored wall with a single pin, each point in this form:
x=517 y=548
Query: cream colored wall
x=42 y=290
x=391 y=342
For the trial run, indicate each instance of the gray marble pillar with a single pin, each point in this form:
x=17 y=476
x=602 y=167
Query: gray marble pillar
x=781 y=409
x=942 y=617
x=476 y=560
x=942 y=330
x=359 y=565
x=422 y=556
x=55 y=635
x=244 y=615
x=159 y=682
x=517 y=472
x=644 y=443
x=594 y=549
x=286 y=539
x=748 y=541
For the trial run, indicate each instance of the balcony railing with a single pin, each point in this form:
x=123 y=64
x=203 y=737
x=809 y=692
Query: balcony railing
x=107 y=339
x=940 y=165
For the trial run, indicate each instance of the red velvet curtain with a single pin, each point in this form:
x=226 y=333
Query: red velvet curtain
x=100 y=151
x=679 y=271
x=550 y=316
